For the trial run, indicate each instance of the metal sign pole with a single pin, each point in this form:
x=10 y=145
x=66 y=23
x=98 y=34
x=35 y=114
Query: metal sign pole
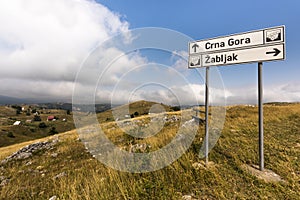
x=261 y=118
x=206 y=114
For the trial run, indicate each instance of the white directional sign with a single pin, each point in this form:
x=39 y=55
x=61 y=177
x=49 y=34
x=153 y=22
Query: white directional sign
x=255 y=46
x=256 y=54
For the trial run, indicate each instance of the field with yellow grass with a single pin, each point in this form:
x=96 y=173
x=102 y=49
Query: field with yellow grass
x=67 y=170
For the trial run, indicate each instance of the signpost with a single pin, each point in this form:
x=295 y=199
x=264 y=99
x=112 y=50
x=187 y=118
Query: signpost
x=231 y=57
x=255 y=46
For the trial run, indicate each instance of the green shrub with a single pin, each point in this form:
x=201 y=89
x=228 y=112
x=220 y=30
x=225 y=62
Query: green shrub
x=53 y=131
x=10 y=134
x=175 y=108
x=42 y=125
x=37 y=118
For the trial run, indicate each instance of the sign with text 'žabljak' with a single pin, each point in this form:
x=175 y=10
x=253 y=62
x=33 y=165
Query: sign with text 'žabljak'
x=255 y=46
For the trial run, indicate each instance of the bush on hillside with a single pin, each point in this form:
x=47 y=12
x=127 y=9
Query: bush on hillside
x=42 y=125
x=10 y=134
x=37 y=118
x=53 y=131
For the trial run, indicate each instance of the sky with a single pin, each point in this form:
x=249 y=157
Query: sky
x=50 y=47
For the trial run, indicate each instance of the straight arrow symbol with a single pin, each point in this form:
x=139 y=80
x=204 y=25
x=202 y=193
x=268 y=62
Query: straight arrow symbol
x=275 y=52
x=195 y=46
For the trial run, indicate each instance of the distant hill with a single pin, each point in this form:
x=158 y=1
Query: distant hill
x=11 y=100
x=143 y=107
x=7 y=100
x=136 y=109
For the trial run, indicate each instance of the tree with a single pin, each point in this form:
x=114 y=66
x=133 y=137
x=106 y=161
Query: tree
x=42 y=125
x=10 y=134
x=53 y=131
x=17 y=107
x=37 y=118
x=175 y=108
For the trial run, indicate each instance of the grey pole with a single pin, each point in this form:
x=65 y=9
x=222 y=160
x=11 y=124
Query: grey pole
x=206 y=114
x=261 y=117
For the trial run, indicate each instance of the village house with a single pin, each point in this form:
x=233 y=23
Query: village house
x=17 y=123
x=51 y=118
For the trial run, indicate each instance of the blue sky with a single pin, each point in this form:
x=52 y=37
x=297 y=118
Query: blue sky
x=206 y=19
x=46 y=43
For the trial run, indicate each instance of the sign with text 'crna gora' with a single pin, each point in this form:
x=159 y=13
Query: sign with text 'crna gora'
x=254 y=46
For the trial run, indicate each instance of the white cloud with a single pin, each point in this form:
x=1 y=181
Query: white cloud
x=42 y=90
x=42 y=41
x=289 y=92
x=195 y=93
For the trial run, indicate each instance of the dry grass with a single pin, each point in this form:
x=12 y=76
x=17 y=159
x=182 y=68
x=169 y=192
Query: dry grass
x=86 y=178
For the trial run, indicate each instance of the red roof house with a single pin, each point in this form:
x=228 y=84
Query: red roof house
x=50 y=118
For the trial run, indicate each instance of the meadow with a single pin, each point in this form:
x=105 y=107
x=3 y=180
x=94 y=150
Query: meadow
x=69 y=171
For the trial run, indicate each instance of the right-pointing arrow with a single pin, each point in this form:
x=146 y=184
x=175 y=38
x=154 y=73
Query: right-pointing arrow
x=275 y=52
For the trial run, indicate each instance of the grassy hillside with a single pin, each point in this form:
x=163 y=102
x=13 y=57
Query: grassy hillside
x=139 y=108
x=27 y=131
x=30 y=129
x=68 y=171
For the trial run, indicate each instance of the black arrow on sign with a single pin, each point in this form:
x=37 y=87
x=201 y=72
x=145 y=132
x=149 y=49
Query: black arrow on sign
x=195 y=46
x=275 y=52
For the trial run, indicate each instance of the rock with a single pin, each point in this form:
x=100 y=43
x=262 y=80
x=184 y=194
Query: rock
x=203 y=165
x=27 y=151
x=187 y=197
x=54 y=155
x=55 y=139
x=53 y=197
x=23 y=155
x=28 y=163
x=139 y=148
x=4 y=181
x=266 y=175
x=179 y=137
x=2 y=178
x=198 y=166
x=60 y=175
x=189 y=123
